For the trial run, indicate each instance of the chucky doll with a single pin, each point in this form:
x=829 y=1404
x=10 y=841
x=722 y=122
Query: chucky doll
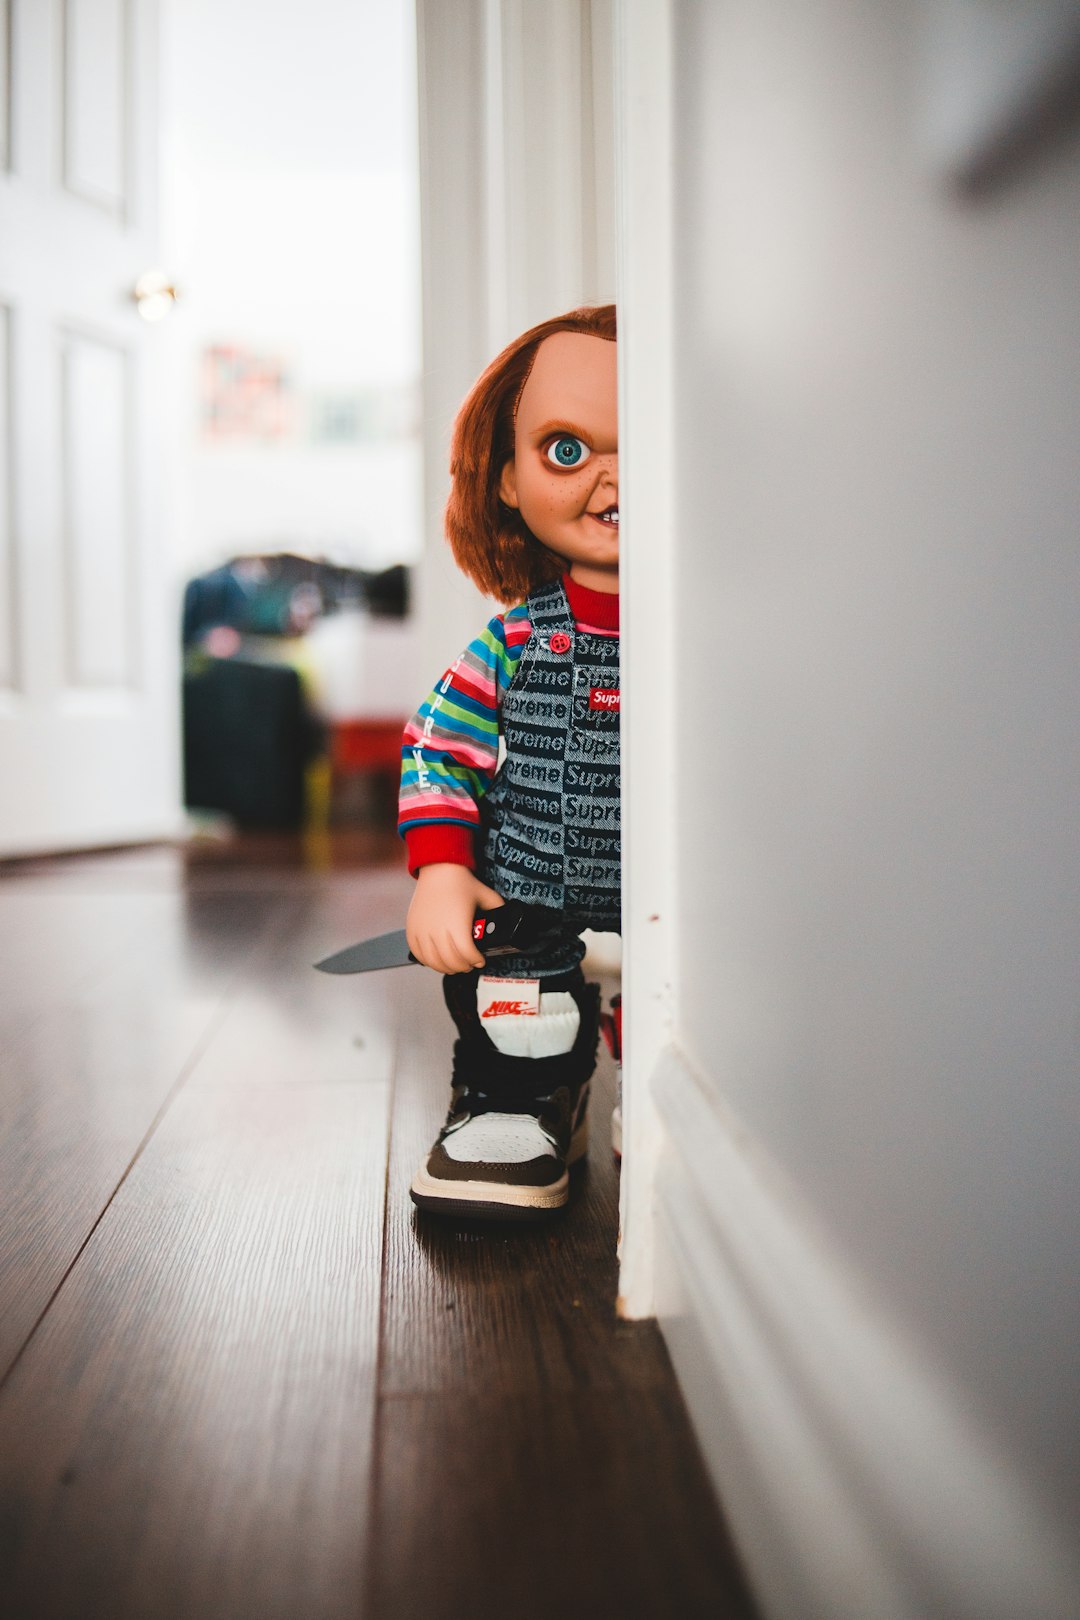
x=510 y=767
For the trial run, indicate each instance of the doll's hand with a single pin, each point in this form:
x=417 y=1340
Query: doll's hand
x=439 y=925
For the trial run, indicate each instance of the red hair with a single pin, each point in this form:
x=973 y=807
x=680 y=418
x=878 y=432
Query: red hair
x=490 y=541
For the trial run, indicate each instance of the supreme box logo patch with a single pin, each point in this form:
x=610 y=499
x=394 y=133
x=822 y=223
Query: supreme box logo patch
x=603 y=697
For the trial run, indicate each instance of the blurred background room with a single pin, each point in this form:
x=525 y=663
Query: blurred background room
x=240 y=508
x=291 y=226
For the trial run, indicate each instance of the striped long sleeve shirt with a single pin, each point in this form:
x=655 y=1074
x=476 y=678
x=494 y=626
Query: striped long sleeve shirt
x=450 y=749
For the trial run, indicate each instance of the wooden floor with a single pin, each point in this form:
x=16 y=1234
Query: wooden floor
x=240 y=1376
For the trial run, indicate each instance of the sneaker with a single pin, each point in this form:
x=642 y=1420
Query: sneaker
x=611 y=1024
x=518 y=1112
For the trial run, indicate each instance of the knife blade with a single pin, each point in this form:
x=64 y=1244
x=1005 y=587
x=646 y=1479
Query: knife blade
x=503 y=931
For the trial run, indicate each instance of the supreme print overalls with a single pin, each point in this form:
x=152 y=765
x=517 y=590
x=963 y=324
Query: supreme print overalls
x=551 y=817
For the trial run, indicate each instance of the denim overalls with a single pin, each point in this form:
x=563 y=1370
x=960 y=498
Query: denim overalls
x=551 y=817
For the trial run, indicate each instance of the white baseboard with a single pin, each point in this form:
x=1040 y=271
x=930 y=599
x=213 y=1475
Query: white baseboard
x=855 y=1484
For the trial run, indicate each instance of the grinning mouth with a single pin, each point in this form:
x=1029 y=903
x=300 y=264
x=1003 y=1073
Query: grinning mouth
x=610 y=516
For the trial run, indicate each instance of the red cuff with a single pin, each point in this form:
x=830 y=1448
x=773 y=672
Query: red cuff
x=442 y=841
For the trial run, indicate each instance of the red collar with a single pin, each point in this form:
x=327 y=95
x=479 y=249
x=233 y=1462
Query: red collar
x=597 y=608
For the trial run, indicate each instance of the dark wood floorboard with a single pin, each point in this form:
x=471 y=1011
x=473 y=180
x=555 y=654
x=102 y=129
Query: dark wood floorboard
x=189 y=1431
x=583 y=1504
x=315 y=1026
x=56 y=942
x=188 y=1434
x=260 y=1384
x=90 y=1053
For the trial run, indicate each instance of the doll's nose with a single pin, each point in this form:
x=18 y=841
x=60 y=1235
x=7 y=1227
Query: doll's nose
x=607 y=470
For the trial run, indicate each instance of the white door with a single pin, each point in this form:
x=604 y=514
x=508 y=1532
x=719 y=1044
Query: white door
x=88 y=735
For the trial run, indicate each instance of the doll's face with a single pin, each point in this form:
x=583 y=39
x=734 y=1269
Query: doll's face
x=564 y=478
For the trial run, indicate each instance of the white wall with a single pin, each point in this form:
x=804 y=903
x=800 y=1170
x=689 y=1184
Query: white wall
x=292 y=228
x=877 y=583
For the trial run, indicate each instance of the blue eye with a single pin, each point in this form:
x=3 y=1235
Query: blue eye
x=567 y=451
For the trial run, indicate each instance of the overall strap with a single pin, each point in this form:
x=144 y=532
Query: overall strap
x=549 y=610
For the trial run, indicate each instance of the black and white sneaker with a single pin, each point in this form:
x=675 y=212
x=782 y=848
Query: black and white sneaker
x=518 y=1113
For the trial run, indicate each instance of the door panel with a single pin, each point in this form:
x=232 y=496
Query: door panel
x=8 y=654
x=88 y=637
x=94 y=101
x=98 y=587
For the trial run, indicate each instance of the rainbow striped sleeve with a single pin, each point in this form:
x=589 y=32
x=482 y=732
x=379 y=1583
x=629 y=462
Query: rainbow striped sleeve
x=450 y=750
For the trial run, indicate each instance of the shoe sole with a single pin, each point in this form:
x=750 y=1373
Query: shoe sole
x=498 y=1200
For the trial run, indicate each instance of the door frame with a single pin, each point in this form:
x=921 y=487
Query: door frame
x=645 y=202
x=474 y=140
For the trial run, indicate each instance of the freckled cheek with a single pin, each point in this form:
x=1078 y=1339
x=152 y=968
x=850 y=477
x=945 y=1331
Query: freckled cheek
x=561 y=497
x=568 y=495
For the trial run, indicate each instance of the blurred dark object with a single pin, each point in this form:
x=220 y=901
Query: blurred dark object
x=217 y=598
x=386 y=595
x=254 y=747
x=283 y=595
x=248 y=738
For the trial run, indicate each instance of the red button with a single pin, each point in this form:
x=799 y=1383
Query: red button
x=560 y=642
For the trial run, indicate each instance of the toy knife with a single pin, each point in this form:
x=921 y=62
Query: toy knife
x=504 y=931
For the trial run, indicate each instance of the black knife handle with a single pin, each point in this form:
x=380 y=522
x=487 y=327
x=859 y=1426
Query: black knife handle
x=514 y=927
